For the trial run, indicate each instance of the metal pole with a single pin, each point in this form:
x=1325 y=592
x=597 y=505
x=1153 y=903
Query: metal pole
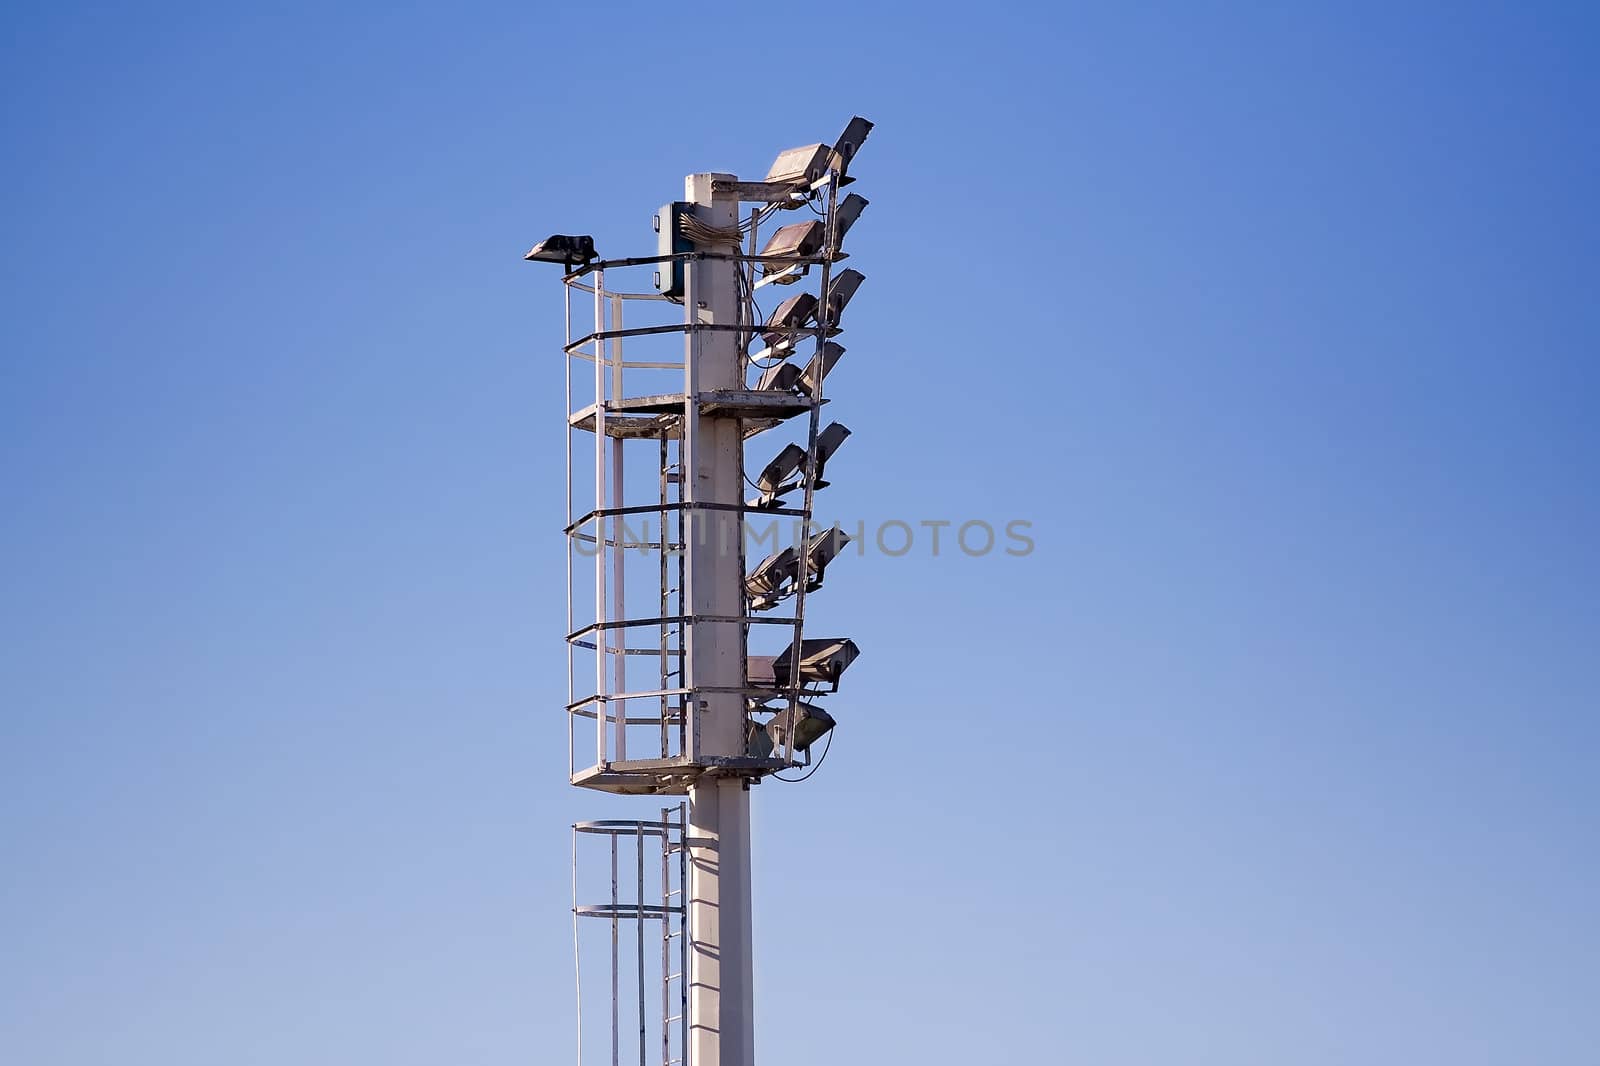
x=663 y=632
x=687 y=450
x=721 y=1008
x=577 y=952
x=615 y=1046
x=823 y=328
x=683 y=933
x=602 y=635
x=666 y=935
x=639 y=939
x=619 y=661
x=566 y=362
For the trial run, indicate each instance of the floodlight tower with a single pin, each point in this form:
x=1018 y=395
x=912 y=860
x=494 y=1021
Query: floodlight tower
x=719 y=715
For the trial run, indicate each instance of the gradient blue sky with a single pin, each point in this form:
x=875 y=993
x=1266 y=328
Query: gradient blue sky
x=1277 y=321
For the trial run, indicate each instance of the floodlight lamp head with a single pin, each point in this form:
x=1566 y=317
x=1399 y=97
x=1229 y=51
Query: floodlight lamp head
x=820 y=366
x=809 y=164
x=821 y=550
x=789 y=316
x=797 y=240
x=780 y=377
x=775 y=473
x=786 y=473
x=800 y=166
x=823 y=660
x=811 y=724
x=777 y=577
x=828 y=442
x=840 y=290
x=772 y=579
x=845 y=216
x=563 y=248
x=849 y=142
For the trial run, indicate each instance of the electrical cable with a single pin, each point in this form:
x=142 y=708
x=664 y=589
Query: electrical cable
x=707 y=234
x=820 y=760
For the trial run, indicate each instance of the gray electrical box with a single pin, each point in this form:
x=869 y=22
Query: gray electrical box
x=671 y=241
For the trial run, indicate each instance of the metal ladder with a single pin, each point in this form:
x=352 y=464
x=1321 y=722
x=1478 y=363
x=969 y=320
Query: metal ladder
x=667 y=838
x=675 y=926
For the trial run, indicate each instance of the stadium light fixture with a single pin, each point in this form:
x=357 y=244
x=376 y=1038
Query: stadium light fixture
x=784 y=474
x=774 y=474
x=840 y=290
x=789 y=316
x=821 y=550
x=798 y=239
x=849 y=142
x=777 y=577
x=772 y=579
x=563 y=248
x=828 y=442
x=780 y=377
x=848 y=211
x=810 y=163
x=811 y=724
x=800 y=166
x=822 y=661
x=820 y=366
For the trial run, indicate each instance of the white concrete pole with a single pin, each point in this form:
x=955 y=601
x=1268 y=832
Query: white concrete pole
x=721 y=1007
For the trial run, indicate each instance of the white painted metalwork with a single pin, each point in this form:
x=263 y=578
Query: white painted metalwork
x=651 y=908
x=720 y=711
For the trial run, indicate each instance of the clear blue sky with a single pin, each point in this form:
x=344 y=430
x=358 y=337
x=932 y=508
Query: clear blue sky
x=1277 y=321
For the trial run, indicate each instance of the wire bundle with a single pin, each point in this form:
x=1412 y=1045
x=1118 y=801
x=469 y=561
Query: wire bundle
x=706 y=235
